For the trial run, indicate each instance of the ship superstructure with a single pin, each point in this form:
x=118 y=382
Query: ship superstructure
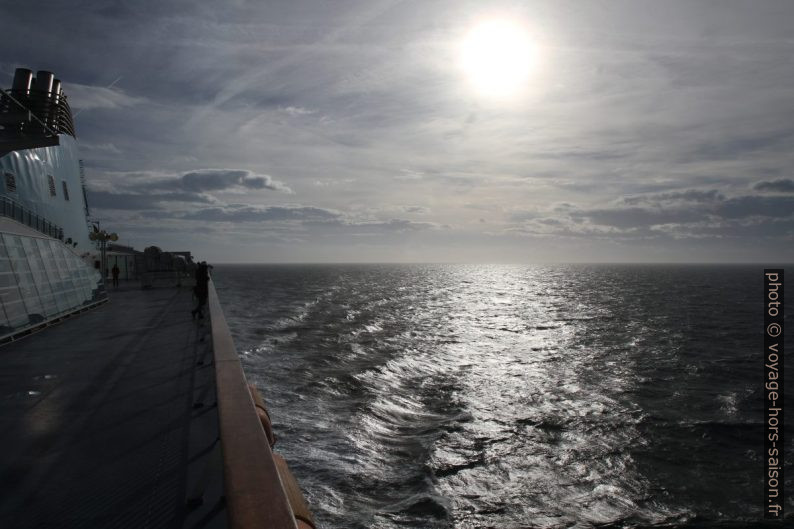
x=45 y=250
x=135 y=414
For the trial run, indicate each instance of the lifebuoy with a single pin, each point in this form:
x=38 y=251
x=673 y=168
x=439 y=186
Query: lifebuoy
x=262 y=413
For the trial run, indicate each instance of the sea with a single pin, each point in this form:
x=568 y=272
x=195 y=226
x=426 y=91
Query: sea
x=507 y=396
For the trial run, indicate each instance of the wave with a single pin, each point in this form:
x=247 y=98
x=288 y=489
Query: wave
x=445 y=396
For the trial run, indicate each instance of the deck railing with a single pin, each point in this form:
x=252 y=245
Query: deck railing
x=13 y=210
x=255 y=495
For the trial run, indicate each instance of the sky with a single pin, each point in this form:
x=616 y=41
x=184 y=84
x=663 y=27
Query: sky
x=349 y=131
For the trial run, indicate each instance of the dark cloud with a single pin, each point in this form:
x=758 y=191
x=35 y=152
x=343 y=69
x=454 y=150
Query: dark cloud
x=762 y=206
x=782 y=185
x=740 y=146
x=603 y=155
x=689 y=195
x=393 y=225
x=262 y=214
x=522 y=216
x=351 y=227
x=322 y=219
x=689 y=206
x=761 y=228
x=136 y=201
x=218 y=180
x=638 y=217
x=689 y=212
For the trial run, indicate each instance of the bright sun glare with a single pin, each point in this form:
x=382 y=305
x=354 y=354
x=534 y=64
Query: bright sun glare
x=497 y=55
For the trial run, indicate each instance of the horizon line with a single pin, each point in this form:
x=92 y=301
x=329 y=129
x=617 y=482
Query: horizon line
x=698 y=263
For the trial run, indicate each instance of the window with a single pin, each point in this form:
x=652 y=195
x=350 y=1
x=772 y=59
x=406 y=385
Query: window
x=11 y=182
x=51 y=181
x=65 y=190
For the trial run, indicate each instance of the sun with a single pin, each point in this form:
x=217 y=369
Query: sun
x=497 y=55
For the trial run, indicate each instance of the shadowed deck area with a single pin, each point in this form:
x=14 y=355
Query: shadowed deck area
x=109 y=419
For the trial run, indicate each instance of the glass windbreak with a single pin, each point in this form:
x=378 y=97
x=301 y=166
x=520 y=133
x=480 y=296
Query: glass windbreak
x=24 y=277
x=75 y=267
x=39 y=275
x=41 y=279
x=53 y=276
x=67 y=288
x=14 y=313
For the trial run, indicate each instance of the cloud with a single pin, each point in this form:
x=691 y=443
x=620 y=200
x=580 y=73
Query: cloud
x=688 y=213
x=100 y=149
x=321 y=220
x=634 y=217
x=644 y=126
x=524 y=215
x=327 y=182
x=149 y=190
x=297 y=111
x=409 y=174
x=761 y=206
x=244 y=213
x=85 y=97
x=741 y=146
x=218 y=180
x=689 y=196
x=135 y=201
x=782 y=185
x=393 y=225
x=689 y=207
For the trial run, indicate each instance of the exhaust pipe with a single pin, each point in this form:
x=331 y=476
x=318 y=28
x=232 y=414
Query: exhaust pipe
x=23 y=80
x=44 y=80
x=56 y=91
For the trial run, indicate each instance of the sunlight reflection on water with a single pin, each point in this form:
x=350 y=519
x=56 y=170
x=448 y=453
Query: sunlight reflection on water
x=474 y=396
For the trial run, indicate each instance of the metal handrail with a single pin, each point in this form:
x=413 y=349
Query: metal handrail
x=254 y=492
x=13 y=210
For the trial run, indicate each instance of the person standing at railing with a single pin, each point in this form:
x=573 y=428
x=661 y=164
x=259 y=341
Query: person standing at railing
x=115 y=271
x=201 y=289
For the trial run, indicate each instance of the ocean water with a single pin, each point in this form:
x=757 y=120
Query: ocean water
x=439 y=396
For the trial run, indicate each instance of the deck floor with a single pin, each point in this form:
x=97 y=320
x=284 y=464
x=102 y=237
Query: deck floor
x=109 y=419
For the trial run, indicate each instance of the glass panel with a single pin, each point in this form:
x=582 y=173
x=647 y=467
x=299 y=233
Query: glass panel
x=80 y=286
x=40 y=278
x=7 y=286
x=68 y=288
x=76 y=265
x=27 y=286
x=97 y=284
x=51 y=268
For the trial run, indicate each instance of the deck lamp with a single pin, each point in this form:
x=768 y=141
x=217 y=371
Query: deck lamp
x=103 y=237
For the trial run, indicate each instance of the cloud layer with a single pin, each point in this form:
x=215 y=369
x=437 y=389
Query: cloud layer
x=219 y=180
x=347 y=131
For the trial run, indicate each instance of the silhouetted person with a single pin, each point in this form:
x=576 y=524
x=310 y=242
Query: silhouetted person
x=201 y=289
x=115 y=271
